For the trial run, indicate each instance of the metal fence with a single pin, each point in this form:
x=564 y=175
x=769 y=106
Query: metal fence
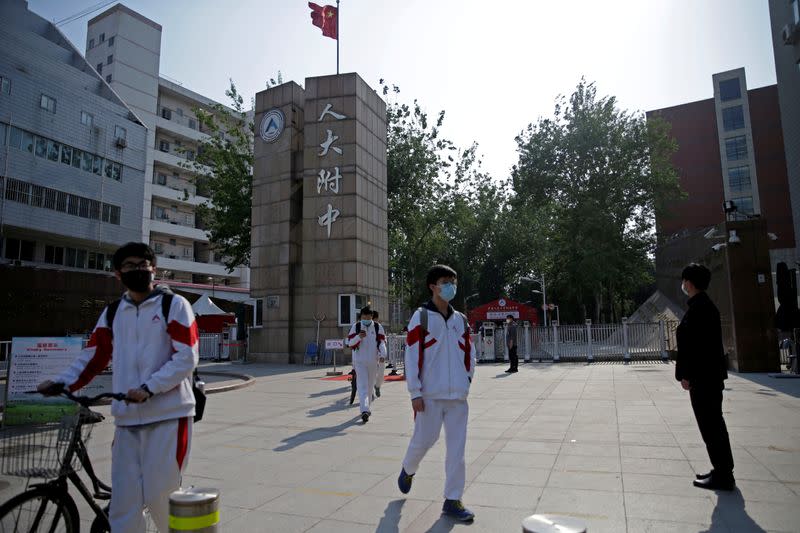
x=587 y=343
x=220 y=346
x=396 y=352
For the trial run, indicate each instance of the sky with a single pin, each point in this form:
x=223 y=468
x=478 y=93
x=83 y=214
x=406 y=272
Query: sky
x=493 y=66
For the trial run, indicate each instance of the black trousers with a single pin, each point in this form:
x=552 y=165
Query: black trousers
x=513 y=359
x=707 y=406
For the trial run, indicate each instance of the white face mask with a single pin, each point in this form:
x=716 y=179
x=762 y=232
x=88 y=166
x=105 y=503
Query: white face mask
x=683 y=289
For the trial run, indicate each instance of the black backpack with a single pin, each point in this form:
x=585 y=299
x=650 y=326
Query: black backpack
x=377 y=335
x=166 y=303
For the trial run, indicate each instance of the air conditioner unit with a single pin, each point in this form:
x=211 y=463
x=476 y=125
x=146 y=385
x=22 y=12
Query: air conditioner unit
x=121 y=142
x=789 y=34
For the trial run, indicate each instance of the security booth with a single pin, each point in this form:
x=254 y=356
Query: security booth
x=490 y=320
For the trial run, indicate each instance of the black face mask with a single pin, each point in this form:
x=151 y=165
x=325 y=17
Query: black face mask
x=137 y=280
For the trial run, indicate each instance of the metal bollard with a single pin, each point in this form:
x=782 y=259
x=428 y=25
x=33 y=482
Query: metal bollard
x=540 y=523
x=194 y=509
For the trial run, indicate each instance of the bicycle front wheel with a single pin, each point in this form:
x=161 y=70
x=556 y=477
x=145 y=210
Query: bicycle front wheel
x=44 y=509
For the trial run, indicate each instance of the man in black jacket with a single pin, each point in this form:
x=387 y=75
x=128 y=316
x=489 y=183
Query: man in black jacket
x=701 y=367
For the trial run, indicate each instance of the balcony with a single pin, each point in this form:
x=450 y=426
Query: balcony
x=194 y=267
x=177 y=161
x=175 y=195
x=175 y=229
x=180 y=126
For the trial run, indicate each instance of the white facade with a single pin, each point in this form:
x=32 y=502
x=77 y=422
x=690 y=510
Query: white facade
x=125 y=47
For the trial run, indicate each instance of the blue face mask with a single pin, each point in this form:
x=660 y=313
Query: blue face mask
x=366 y=323
x=447 y=291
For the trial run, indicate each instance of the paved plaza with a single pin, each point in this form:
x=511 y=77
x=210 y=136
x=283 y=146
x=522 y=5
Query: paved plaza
x=614 y=445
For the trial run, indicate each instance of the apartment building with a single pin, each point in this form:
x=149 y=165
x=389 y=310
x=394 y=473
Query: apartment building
x=125 y=48
x=72 y=153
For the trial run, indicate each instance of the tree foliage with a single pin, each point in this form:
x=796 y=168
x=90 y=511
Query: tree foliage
x=224 y=174
x=590 y=180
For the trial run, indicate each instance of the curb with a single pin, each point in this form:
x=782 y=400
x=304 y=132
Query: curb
x=247 y=380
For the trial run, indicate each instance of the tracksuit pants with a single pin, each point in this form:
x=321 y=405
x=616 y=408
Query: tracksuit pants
x=380 y=371
x=365 y=382
x=453 y=415
x=146 y=466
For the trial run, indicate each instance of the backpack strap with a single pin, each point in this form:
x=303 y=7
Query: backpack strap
x=166 y=304
x=111 y=312
x=377 y=334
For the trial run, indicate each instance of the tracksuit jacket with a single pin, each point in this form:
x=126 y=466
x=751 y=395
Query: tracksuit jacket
x=444 y=370
x=144 y=351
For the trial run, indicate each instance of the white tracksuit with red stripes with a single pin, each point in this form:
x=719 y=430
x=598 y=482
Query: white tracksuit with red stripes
x=441 y=376
x=152 y=439
x=366 y=353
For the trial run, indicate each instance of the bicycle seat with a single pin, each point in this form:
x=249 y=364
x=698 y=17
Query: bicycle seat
x=91 y=417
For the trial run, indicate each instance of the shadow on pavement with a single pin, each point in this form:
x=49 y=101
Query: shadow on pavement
x=339 y=405
x=503 y=375
x=390 y=521
x=444 y=524
x=790 y=386
x=730 y=515
x=332 y=392
x=315 y=434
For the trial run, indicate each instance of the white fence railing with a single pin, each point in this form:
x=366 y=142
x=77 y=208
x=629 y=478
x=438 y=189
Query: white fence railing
x=585 y=343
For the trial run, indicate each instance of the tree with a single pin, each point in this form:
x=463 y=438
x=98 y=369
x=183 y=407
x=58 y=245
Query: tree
x=590 y=180
x=224 y=174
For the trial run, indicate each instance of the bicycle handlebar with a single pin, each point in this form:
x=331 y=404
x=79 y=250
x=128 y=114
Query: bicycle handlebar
x=89 y=401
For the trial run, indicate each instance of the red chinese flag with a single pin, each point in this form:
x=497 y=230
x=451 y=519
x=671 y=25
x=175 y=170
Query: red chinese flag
x=325 y=17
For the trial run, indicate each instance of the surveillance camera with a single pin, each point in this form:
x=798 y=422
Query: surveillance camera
x=718 y=247
x=772 y=236
x=733 y=238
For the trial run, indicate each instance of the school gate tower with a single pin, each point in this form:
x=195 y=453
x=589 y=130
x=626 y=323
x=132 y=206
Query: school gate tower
x=319 y=224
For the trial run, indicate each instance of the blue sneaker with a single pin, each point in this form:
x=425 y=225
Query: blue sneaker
x=404 y=481
x=456 y=509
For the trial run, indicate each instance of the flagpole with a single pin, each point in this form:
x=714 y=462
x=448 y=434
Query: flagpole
x=337 y=37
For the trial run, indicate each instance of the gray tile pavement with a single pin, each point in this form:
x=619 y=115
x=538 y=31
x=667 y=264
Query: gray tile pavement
x=614 y=445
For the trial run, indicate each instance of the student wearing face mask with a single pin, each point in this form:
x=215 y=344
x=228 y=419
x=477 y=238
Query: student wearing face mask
x=368 y=342
x=439 y=363
x=701 y=368
x=511 y=342
x=152 y=335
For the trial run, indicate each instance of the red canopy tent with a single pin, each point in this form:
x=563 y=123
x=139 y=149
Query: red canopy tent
x=498 y=310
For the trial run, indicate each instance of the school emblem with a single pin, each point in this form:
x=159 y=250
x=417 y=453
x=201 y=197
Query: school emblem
x=272 y=125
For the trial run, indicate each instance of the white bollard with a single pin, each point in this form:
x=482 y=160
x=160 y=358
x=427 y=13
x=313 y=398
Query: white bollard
x=540 y=523
x=194 y=509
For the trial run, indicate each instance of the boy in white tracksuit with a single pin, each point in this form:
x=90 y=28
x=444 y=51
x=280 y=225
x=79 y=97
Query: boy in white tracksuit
x=154 y=357
x=439 y=363
x=368 y=342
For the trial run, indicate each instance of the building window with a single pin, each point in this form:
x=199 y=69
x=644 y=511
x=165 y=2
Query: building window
x=744 y=205
x=87 y=161
x=161 y=179
x=77 y=156
x=172 y=242
x=111 y=41
x=3 y=129
x=91 y=44
x=99 y=68
x=109 y=59
x=54 y=255
x=192 y=123
x=120 y=132
x=739 y=179
x=179 y=111
x=187 y=252
x=87 y=119
x=158 y=247
x=5 y=85
x=102 y=38
x=258 y=313
x=736 y=148
x=66 y=155
x=19 y=250
x=160 y=213
x=97 y=165
x=190 y=155
x=733 y=118
x=730 y=90
x=166 y=113
x=163 y=146
x=48 y=103
x=108 y=78
x=53 y=149
x=41 y=147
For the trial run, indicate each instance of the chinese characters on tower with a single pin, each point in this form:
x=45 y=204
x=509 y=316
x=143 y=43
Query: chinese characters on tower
x=328 y=181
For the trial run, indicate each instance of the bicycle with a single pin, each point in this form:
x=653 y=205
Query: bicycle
x=50 y=451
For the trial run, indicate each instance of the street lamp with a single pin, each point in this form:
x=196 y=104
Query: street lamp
x=467 y=299
x=540 y=281
x=213 y=284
